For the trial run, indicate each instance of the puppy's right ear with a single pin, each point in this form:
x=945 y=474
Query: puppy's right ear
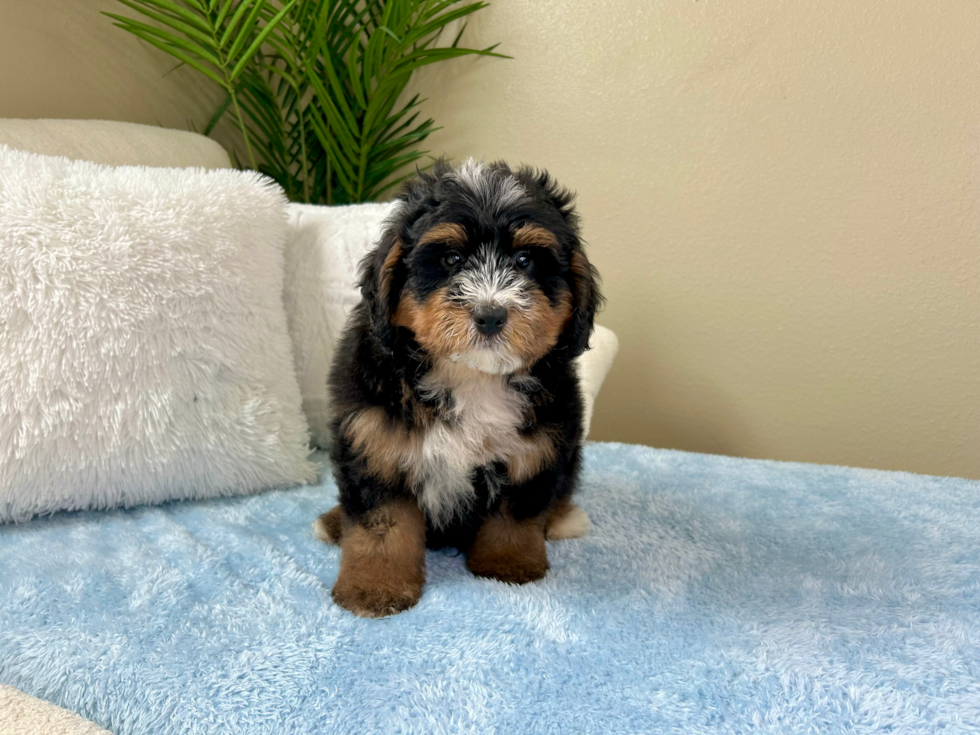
x=382 y=278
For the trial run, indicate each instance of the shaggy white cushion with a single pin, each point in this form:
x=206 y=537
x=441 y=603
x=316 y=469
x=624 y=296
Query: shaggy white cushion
x=144 y=352
x=324 y=247
x=323 y=250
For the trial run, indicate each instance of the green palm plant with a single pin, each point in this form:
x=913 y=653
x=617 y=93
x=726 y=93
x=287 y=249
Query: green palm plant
x=313 y=87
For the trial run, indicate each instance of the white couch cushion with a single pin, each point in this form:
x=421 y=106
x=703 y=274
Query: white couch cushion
x=143 y=341
x=113 y=143
x=324 y=246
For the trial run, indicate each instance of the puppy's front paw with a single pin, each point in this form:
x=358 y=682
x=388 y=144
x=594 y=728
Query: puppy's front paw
x=375 y=602
x=382 y=561
x=508 y=568
x=508 y=550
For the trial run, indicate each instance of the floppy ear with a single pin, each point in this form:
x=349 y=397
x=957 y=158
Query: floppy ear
x=583 y=277
x=381 y=283
x=586 y=301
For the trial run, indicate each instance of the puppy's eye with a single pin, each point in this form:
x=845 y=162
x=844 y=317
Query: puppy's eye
x=522 y=260
x=451 y=260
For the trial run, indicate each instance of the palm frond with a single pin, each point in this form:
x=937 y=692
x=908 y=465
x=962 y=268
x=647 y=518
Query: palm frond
x=313 y=85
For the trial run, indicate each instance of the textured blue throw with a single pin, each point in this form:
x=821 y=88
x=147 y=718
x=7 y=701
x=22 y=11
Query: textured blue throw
x=714 y=595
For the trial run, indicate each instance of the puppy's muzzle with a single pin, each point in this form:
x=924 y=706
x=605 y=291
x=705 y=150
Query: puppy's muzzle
x=489 y=320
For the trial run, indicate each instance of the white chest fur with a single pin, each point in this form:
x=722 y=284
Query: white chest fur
x=478 y=424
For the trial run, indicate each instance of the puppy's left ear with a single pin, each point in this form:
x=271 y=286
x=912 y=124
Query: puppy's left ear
x=583 y=277
x=380 y=285
x=586 y=301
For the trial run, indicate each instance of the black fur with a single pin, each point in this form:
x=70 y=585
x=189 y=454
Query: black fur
x=376 y=360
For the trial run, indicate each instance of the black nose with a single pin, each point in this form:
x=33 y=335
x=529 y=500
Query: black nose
x=490 y=320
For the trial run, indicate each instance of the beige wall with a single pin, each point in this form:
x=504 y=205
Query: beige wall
x=63 y=59
x=783 y=199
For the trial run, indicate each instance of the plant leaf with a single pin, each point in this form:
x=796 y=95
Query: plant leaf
x=233 y=23
x=245 y=31
x=171 y=39
x=173 y=51
x=315 y=87
x=166 y=6
x=218 y=113
x=260 y=39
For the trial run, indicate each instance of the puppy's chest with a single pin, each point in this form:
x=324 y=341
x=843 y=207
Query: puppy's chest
x=476 y=422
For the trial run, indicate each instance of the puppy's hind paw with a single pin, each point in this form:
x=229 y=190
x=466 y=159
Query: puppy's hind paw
x=327 y=527
x=567 y=521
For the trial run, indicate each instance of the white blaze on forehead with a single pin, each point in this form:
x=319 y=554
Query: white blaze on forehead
x=470 y=173
x=493 y=189
x=493 y=281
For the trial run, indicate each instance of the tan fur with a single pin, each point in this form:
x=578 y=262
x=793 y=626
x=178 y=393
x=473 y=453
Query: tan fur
x=567 y=520
x=386 y=444
x=327 y=527
x=388 y=271
x=530 y=236
x=382 y=564
x=447 y=232
x=580 y=265
x=479 y=426
x=509 y=550
x=532 y=454
x=437 y=456
x=580 y=268
x=533 y=332
x=441 y=327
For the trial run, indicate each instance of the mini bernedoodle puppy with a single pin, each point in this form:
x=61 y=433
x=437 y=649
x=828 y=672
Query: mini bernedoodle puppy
x=457 y=414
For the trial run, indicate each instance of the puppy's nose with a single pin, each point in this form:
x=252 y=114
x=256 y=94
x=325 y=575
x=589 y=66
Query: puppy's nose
x=489 y=319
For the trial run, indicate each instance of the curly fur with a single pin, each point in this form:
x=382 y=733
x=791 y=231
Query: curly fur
x=472 y=426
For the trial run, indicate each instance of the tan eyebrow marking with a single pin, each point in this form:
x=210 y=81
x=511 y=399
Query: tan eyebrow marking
x=531 y=236
x=447 y=232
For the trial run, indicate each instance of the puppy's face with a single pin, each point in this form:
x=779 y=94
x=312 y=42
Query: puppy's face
x=484 y=267
x=491 y=299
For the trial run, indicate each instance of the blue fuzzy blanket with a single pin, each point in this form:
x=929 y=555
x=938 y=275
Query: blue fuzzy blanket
x=714 y=595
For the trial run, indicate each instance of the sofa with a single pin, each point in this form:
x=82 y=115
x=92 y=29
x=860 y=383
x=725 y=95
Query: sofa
x=713 y=594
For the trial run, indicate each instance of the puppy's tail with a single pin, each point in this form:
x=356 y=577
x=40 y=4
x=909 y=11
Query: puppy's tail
x=327 y=527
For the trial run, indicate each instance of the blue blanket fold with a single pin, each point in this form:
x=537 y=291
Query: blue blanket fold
x=714 y=595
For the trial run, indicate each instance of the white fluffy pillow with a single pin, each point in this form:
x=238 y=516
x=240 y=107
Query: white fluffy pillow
x=324 y=246
x=323 y=249
x=144 y=352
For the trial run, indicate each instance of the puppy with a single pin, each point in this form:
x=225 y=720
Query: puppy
x=457 y=413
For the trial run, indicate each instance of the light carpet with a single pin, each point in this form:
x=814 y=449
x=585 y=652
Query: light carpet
x=714 y=595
